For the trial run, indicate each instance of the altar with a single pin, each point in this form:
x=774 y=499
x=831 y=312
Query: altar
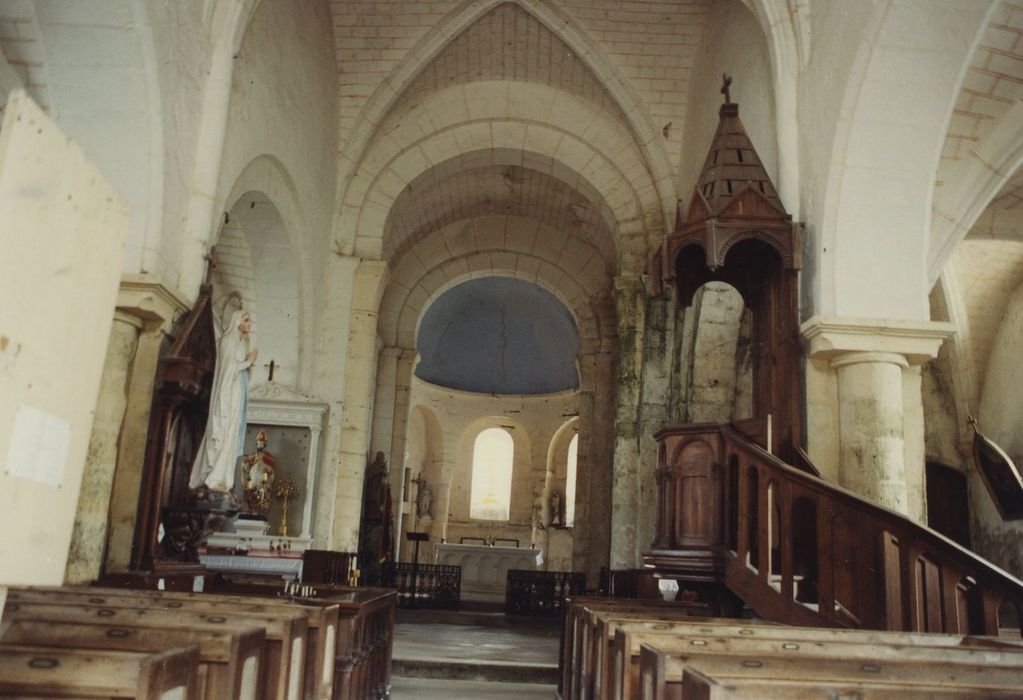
x=485 y=568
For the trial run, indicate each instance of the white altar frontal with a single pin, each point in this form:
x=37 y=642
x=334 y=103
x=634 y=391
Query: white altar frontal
x=485 y=569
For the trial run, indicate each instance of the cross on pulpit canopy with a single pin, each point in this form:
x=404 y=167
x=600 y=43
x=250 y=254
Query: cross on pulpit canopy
x=726 y=82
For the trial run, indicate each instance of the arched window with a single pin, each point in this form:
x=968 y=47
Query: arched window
x=573 y=452
x=492 y=456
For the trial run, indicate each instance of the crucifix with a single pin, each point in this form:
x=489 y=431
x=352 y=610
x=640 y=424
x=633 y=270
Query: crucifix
x=270 y=375
x=725 y=84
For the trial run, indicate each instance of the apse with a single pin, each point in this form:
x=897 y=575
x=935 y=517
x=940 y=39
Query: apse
x=499 y=335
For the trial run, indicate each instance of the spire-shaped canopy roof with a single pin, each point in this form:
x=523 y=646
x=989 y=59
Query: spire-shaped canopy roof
x=734 y=200
x=732 y=166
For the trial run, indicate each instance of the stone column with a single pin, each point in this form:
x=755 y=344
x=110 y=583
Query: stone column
x=872 y=442
x=399 y=434
x=147 y=302
x=88 y=538
x=360 y=386
x=629 y=297
x=875 y=379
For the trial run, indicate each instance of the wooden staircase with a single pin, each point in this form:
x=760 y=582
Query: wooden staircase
x=800 y=550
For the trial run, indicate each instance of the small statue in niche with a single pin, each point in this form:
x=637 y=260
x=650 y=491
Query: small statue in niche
x=557 y=519
x=258 y=475
x=424 y=497
x=221 y=446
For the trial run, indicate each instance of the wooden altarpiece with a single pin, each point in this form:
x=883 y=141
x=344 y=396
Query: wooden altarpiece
x=735 y=231
x=181 y=398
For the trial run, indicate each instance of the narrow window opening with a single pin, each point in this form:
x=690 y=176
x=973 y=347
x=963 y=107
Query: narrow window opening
x=492 y=458
x=573 y=454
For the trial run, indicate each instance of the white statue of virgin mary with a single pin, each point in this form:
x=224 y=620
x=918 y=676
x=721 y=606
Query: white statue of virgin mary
x=223 y=440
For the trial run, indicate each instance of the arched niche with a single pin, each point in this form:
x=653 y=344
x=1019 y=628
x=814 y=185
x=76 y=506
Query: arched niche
x=714 y=363
x=758 y=272
x=256 y=268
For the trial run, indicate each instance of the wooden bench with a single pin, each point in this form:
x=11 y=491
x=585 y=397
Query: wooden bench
x=663 y=674
x=628 y=672
x=579 y=647
x=48 y=672
x=281 y=669
x=597 y=676
x=321 y=637
x=228 y=660
x=701 y=687
x=362 y=667
x=621 y=659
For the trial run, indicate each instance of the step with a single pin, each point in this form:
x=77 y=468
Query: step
x=488 y=671
x=438 y=689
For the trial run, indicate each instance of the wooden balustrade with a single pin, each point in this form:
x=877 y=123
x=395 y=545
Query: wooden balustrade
x=800 y=550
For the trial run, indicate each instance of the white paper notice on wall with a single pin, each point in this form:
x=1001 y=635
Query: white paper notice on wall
x=39 y=447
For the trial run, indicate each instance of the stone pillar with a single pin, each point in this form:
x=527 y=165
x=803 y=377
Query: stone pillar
x=630 y=298
x=399 y=434
x=147 y=302
x=875 y=382
x=383 y=405
x=332 y=321
x=88 y=538
x=872 y=443
x=360 y=386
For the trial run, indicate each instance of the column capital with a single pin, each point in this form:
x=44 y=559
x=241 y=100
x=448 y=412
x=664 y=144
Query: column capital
x=149 y=299
x=830 y=338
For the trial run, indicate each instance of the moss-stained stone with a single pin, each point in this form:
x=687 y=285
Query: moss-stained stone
x=88 y=539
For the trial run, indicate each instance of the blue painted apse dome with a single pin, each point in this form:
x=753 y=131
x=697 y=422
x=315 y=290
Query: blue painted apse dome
x=499 y=335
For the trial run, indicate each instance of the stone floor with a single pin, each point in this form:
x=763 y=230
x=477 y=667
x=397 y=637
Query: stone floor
x=476 y=656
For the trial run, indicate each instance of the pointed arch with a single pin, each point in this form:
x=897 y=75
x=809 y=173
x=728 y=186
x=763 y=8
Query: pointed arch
x=267 y=175
x=647 y=138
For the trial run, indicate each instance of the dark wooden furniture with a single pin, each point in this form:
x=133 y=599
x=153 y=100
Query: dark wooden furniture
x=737 y=231
x=177 y=420
x=800 y=550
x=328 y=568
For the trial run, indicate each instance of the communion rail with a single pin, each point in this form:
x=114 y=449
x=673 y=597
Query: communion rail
x=801 y=550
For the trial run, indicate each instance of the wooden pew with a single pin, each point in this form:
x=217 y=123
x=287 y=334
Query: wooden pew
x=48 y=672
x=228 y=660
x=281 y=669
x=579 y=646
x=365 y=638
x=321 y=638
x=614 y=664
x=627 y=666
x=668 y=671
x=701 y=687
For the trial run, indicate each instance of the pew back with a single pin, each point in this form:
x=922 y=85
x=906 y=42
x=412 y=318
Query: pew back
x=228 y=660
x=814 y=672
x=281 y=669
x=47 y=672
